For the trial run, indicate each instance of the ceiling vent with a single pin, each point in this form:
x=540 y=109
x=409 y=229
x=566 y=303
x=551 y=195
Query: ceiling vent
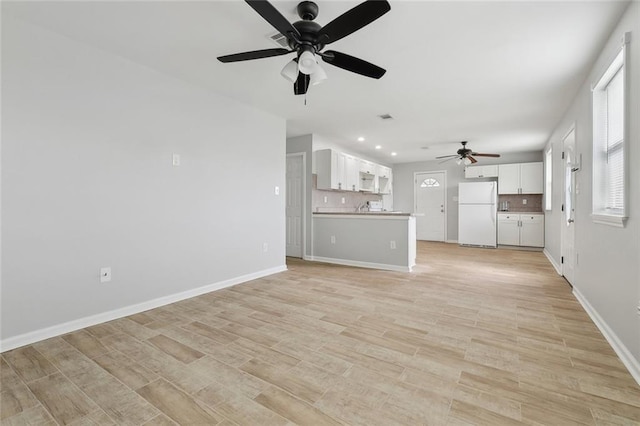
x=279 y=39
x=386 y=117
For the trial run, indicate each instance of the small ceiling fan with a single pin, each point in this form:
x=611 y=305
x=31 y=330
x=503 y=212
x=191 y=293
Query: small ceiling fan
x=465 y=155
x=307 y=39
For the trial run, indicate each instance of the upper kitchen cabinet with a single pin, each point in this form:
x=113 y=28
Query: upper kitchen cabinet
x=367 y=179
x=521 y=178
x=337 y=170
x=384 y=180
x=473 y=172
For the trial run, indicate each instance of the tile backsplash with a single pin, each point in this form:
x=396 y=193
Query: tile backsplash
x=334 y=199
x=534 y=202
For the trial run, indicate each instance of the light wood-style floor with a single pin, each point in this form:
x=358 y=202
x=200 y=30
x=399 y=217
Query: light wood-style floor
x=473 y=336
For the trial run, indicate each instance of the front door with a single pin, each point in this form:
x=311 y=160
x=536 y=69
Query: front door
x=430 y=211
x=294 y=193
x=569 y=206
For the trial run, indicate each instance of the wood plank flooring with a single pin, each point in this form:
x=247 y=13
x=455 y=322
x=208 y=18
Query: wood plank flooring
x=472 y=336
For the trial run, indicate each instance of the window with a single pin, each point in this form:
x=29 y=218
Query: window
x=609 y=143
x=548 y=178
x=429 y=183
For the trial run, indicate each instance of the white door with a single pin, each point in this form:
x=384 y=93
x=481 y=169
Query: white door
x=569 y=203
x=294 y=209
x=430 y=210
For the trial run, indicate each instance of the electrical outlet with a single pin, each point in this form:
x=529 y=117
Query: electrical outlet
x=325 y=199
x=524 y=201
x=105 y=274
x=276 y=190
x=333 y=239
x=265 y=247
x=176 y=160
x=343 y=200
x=392 y=245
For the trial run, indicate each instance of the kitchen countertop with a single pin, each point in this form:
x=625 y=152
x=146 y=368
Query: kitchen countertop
x=512 y=212
x=364 y=213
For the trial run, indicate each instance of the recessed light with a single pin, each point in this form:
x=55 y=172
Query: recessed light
x=378 y=146
x=394 y=154
x=361 y=139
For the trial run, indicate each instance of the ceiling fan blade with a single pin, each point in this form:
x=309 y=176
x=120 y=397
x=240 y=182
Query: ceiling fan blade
x=255 y=54
x=352 y=20
x=477 y=154
x=451 y=157
x=353 y=64
x=473 y=160
x=301 y=85
x=275 y=18
x=447 y=156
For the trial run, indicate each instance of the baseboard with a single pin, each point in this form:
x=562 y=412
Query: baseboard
x=451 y=241
x=629 y=361
x=360 y=264
x=552 y=261
x=67 y=327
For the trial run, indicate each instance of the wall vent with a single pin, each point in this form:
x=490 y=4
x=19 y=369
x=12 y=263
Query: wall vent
x=386 y=116
x=279 y=39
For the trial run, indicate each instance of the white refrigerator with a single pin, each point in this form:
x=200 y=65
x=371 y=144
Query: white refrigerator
x=477 y=214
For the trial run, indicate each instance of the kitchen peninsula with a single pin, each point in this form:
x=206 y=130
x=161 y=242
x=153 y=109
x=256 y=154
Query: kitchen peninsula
x=379 y=240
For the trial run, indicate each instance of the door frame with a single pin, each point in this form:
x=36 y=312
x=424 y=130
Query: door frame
x=563 y=245
x=303 y=204
x=446 y=203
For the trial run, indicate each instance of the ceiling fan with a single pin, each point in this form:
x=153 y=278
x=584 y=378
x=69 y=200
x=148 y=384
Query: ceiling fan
x=307 y=39
x=465 y=155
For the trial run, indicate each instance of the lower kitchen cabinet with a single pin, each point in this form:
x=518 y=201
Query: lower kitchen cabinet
x=521 y=229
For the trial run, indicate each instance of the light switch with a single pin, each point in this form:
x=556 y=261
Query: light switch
x=176 y=159
x=276 y=190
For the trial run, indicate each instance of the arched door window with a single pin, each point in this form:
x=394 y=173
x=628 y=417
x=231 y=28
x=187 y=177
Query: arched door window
x=429 y=183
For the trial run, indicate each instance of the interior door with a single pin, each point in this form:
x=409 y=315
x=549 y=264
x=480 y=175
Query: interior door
x=294 y=208
x=430 y=210
x=569 y=203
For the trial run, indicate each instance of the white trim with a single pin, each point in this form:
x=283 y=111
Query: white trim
x=553 y=262
x=632 y=364
x=360 y=264
x=607 y=219
x=451 y=241
x=67 y=327
x=446 y=204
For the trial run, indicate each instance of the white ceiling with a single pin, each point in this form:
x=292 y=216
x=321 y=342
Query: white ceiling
x=496 y=73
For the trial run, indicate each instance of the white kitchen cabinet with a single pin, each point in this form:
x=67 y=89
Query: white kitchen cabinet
x=509 y=229
x=472 y=172
x=384 y=179
x=520 y=229
x=532 y=230
x=520 y=178
x=351 y=172
x=336 y=170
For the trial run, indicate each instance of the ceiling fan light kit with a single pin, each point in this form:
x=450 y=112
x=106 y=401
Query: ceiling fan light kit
x=290 y=71
x=307 y=39
x=465 y=155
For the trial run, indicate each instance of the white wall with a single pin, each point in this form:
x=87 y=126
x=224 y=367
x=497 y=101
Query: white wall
x=87 y=181
x=403 y=178
x=607 y=275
